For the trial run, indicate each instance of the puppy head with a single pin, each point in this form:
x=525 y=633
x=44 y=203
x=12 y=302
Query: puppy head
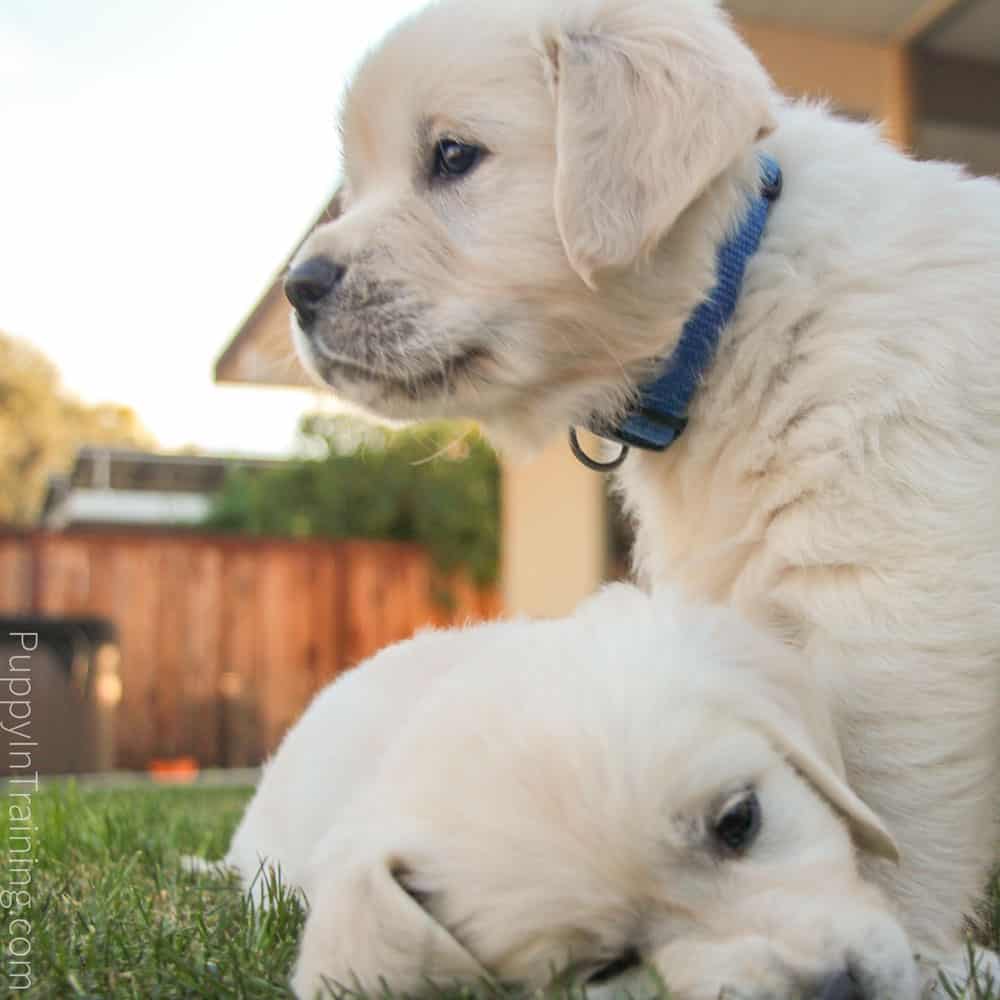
x=607 y=793
x=516 y=177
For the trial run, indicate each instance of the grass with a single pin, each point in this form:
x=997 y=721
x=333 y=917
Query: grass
x=113 y=916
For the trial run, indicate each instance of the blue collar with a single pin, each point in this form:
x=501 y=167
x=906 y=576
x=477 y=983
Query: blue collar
x=660 y=415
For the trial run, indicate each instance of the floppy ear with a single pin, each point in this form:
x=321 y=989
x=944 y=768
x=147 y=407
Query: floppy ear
x=783 y=702
x=868 y=831
x=365 y=931
x=653 y=101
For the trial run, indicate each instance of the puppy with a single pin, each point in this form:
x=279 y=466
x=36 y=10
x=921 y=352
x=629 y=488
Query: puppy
x=643 y=788
x=535 y=197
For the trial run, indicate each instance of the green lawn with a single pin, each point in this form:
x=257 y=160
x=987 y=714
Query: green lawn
x=112 y=915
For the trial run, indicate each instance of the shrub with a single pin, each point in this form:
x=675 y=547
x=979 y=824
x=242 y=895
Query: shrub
x=436 y=484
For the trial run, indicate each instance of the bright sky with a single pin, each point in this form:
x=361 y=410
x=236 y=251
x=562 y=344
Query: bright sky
x=160 y=158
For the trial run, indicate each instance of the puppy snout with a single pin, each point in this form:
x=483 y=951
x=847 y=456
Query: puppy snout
x=840 y=986
x=310 y=282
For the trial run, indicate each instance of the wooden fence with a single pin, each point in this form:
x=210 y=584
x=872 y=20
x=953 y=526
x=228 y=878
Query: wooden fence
x=225 y=640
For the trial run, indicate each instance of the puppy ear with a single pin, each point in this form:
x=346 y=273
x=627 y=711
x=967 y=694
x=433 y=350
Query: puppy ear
x=366 y=931
x=782 y=700
x=653 y=101
x=867 y=830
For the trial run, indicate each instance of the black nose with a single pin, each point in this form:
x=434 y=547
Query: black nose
x=840 y=986
x=310 y=282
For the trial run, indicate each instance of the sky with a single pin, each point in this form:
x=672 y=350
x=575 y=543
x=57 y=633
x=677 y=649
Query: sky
x=160 y=159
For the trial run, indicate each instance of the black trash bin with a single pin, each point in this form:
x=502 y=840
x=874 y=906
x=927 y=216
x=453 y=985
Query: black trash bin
x=60 y=686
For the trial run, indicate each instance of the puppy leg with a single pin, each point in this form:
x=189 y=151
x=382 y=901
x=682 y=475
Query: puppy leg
x=921 y=738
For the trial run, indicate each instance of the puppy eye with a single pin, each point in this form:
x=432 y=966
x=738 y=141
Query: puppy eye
x=453 y=158
x=625 y=962
x=738 y=824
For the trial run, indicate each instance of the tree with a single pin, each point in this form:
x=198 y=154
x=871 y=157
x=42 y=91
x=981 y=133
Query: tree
x=42 y=425
x=436 y=484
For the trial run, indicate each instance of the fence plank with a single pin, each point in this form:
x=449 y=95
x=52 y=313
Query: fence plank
x=325 y=592
x=421 y=600
x=362 y=602
x=287 y=681
x=15 y=575
x=199 y=669
x=171 y=649
x=397 y=610
x=465 y=600
x=239 y=660
x=64 y=571
x=137 y=573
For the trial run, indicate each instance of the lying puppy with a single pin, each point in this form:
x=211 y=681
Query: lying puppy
x=643 y=783
x=538 y=198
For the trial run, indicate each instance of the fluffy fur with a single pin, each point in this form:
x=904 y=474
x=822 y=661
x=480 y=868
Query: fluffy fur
x=839 y=480
x=510 y=799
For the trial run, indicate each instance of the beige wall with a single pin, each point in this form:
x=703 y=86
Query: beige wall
x=553 y=532
x=865 y=78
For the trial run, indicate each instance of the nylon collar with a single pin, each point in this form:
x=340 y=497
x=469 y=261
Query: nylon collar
x=660 y=415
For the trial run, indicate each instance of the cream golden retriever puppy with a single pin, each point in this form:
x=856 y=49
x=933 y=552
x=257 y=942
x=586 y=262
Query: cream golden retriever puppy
x=535 y=198
x=646 y=785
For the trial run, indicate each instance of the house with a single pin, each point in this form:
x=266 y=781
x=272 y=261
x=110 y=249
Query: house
x=121 y=487
x=928 y=70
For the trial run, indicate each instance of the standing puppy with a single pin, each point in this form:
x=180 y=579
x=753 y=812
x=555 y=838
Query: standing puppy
x=537 y=198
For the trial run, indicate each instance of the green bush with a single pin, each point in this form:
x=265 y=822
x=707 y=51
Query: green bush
x=436 y=484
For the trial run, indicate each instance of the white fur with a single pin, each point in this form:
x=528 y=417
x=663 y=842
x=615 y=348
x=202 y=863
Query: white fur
x=839 y=481
x=547 y=792
x=335 y=748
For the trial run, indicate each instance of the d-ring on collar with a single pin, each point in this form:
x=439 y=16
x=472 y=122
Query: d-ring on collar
x=659 y=417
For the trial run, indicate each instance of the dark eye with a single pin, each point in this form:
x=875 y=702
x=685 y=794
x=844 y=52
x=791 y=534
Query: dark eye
x=627 y=960
x=738 y=824
x=453 y=158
